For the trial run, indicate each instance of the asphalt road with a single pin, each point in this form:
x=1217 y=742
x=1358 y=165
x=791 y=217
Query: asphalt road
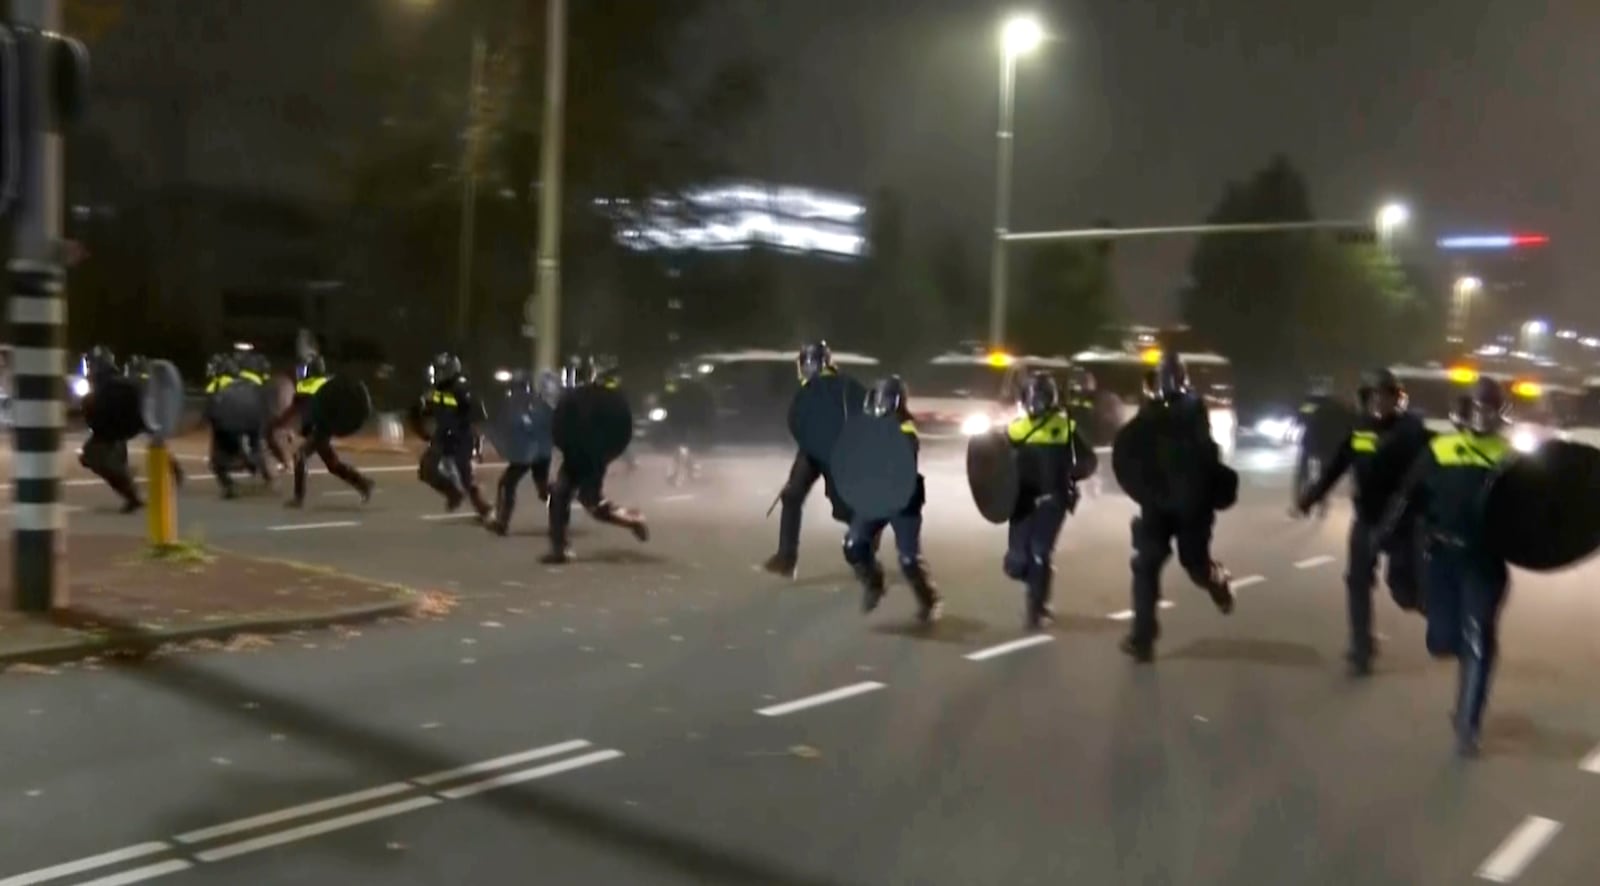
x=665 y=713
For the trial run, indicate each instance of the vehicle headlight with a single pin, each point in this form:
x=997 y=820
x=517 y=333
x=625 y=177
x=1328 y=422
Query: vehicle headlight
x=1222 y=426
x=976 y=424
x=79 y=386
x=1524 y=440
x=1273 y=428
x=658 y=414
x=502 y=375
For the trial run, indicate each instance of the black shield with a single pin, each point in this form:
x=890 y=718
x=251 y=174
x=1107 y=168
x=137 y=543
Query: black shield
x=592 y=427
x=239 y=408
x=1542 y=511
x=1225 y=488
x=340 y=407
x=819 y=410
x=874 y=467
x=520 y=428
x=114 y=409
x=1134 y=461
x=992 y=475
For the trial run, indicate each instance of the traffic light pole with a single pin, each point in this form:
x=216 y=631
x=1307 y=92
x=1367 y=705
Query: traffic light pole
x=38 y=314
x=547 y=264
x=1246 y=228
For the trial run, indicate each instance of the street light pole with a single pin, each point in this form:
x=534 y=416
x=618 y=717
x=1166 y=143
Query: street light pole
x=1002 y=199
x=547 y=266
x=469 y=190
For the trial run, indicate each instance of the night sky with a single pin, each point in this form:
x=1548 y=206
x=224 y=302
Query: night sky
x=1480 y=114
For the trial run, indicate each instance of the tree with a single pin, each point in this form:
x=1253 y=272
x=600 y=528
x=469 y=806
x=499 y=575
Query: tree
x=1064 y=296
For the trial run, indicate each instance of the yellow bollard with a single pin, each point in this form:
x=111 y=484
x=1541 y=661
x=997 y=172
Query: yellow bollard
x=163 y=504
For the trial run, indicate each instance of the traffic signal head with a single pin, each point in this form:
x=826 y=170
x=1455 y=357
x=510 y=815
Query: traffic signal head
x=1357 y=237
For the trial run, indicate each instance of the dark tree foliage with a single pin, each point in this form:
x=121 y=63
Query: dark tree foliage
x=1063 y=296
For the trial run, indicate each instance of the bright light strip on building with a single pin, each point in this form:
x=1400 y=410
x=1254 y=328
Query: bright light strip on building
x=742 y=216
x=1493 y=241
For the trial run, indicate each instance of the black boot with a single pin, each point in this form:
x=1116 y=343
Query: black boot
x=870 y=574
x=1220 y=587
x=1470 y=702
x=781 y=564
x=930 y=606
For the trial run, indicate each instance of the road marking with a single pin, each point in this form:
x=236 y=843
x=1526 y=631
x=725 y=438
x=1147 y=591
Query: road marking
x=1127 y=614
x=511 y=778
x=316 y=829
x=139 y=875
x=505 y=762
x=305 y=810
x=1013 y=646
x=688 y=496
x=297 y=527
x=812 y=701
x=1246 y=581
x=458 y=515
x=314 y=472
x=1591 y=763
x=67 y=869
x=1313 y=562
x=1518 y=851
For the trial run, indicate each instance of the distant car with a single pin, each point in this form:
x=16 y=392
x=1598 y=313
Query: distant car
x=965 y=394
x=753 y=389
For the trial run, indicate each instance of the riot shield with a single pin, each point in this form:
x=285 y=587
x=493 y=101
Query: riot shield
x=340 y=407
x=239 y=408
x=874 y=467
x=1134 y=462
x=114 y=409
x=1542 y=511
x=520 y=428
x=1224 y=488
x=819 y=410
x=992 y=476
x=161 y=404
x=592 y=427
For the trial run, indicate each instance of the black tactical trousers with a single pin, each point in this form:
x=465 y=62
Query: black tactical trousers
x=588 y=487
x=319 y=444
x=228 y=450
x=1153 y=535
x=446 y=465
x=1360 y=575
x=1030 y=550
x=1465 y=592
x=109 y=462
x=803 y=474
x=506 y=491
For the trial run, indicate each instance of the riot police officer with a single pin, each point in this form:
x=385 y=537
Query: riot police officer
x=1324 y=423
x=888 y=399
x=228 y=446
x=582 y=476
x=255 y=368
x=814 y=361
x=548 y=389
x=1187 y=510
x=1384 y=444
x=1052 y=459
x=310 y=375
x=1466 y=581
x=107 y=459
x=446 y=463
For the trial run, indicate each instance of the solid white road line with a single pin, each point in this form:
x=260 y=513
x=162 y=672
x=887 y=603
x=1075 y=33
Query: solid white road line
x=297 y=527
x=1245 y=581
x=1518 y=851
x=116 y=856
x=505 y=762
x=545 y=771
x=812 y=701
x=304 y=810
x=139 y=875
x=1127 y=614
x=316 y=829
x=458 y=515
x=1591 y=763
x=1313 y=562
x=1013 y=646
x=314 y=472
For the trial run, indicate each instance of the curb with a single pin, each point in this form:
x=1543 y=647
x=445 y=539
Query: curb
x=138 y=642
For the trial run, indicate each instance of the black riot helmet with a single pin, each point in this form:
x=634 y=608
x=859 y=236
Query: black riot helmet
x=99 y=361
x=216 y=366
x=1382 y=394
x=1484 y=410
x=1172 y=378
x=445 y=368
x=312 y=366
x=580 y=371
x=254 y=361
x=887 y=398
x=813 y=359
x=1040 y=394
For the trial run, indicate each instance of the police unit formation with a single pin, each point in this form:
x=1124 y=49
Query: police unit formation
x=1449 y=512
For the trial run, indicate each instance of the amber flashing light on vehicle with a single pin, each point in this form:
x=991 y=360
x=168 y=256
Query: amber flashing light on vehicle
x=1151 y=356
x=999 y=359
x=1463 y=375
x=1527 y=389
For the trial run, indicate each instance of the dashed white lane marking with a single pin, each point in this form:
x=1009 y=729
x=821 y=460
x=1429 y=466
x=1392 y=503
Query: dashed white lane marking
x=511 y=778
x=314 y=472
x=67 y=869
x=828 y=697
x=1013 y=646
x=501 y=762
x=459 y=515
x=669 y=498
x=1127 y=614
x=299 y=527
x=293 y=812
x=1313 y=562
x=312 y=830
x=1519 y=849
x=1591 y=763
x=139 y=875
x=1246 y=581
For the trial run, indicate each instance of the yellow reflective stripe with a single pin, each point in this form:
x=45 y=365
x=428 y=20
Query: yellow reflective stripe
x=310 y=386
x=1053 y=430
x=1469 y=450
x=908 y=427
x=253 y=377
x=443 y=398
x=1364 y=441
x=218 y=384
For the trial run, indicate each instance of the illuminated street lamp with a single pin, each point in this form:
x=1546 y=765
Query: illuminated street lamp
x=1019 y=36
x=1391 y=218
x=1465 y=288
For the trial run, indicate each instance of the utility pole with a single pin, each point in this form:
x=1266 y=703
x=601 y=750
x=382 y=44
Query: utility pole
x=46 y=77
x=546 y=301
x=473 y=156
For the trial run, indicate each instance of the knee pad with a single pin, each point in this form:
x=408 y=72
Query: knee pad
x=857 y=551
x=1015 y=566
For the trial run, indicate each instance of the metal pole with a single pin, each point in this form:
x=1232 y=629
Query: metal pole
x=38 y=329
x=1246 y=228
x=469 y=190
x=1002 y=201
x=547 y=269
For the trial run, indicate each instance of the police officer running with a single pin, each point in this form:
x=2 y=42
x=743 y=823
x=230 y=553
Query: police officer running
x=1324 y=424
x=814 y=361
x=256 y=368
x=446 y=463
x=229 y=446
x=310 y=376
x=584 y=479
x=1191 y=465
x=548 y=387
x=888 y=399
x=107 y=459
x=1466 y=582
x=1385 y=443
x=1052 y=459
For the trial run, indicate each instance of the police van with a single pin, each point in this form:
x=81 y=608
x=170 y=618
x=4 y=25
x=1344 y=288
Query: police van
x=1435 y=390
x=963 y=394
x=753 y=388
x=1123 y=375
